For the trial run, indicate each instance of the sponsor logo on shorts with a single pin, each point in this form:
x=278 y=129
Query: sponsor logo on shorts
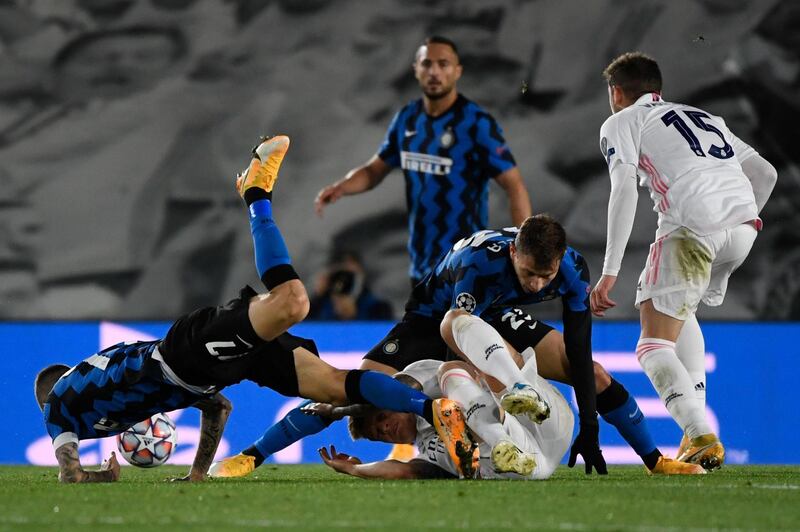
x=391 y=347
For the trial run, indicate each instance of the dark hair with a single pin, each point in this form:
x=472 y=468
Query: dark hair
x=542 y=238
x=438 y=39
x=357 y=425
x=635 y=73
x=45 y=380
x=80 y=42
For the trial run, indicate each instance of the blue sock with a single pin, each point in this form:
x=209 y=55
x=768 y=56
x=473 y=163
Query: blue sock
x=386 y=393
x=293 y=427
x=270 y=249
x=632 y=425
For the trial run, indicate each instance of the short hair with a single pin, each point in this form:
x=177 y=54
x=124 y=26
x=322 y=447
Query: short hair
x=438 y=39
x=635 y=73
x=357 y=425
x=45 y=380
x=542 y=238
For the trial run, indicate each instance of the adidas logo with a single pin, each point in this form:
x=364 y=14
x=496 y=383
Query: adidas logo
x=700 y=386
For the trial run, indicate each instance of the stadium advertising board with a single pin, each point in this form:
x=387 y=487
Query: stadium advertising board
x=751 y=371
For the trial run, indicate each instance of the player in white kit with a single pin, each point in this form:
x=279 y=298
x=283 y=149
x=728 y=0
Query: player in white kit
x=708 y=188
x=510 y=446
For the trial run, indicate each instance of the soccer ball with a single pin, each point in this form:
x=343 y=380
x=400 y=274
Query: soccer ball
x=148 y=443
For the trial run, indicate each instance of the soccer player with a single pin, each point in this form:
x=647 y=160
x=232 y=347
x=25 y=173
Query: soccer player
x=448 y=148
x=209 y=349
x=490 y=275
x=708 y=188
x=510 y=446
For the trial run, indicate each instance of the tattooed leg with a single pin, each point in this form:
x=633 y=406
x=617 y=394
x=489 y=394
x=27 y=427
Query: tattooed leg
x=215 y=412
x=70 y=470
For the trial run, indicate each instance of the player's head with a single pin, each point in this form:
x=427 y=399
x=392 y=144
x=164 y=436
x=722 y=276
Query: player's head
x=383 y=425
x=537 y=251
x=45 y=381
x=437 y=67
x=630 y=76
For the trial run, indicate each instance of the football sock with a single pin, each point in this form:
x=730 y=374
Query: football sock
x=386 y=393
x=619 y=409
x=293 y=427
x=691 y=351
x=273 y=263
x=480 y=410
x=487 y=351
x=673 y=384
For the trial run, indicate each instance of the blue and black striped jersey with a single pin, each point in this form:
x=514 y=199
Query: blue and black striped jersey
x=478 y=276
x=447 y=162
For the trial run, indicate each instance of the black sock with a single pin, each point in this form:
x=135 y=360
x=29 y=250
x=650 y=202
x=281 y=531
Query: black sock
x=255 y=453
x=427 y=411
x=650 y=460
x=352 y=387
x=612 y=397
x=254 y=194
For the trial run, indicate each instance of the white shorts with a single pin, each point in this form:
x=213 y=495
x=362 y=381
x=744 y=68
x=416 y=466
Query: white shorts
x=684 y=268
x=548 y=442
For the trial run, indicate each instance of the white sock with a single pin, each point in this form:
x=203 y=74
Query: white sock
x=485 y=348
x=691 y=351
x=478 y=405
x=673 y=384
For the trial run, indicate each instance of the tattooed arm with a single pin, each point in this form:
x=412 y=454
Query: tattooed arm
x=215 y=412
x=70 y=470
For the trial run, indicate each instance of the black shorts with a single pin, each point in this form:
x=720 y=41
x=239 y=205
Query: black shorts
x=217 y=346
x=414 y=338
x=519 y=328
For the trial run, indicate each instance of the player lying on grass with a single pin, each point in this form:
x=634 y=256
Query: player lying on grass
x=491 y=275
x=509 y=446
x=209 y=349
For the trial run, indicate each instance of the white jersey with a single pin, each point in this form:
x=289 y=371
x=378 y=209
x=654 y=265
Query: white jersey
x=688 y=159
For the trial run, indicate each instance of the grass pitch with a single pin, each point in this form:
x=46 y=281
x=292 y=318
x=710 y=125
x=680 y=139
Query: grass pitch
x=313 y=497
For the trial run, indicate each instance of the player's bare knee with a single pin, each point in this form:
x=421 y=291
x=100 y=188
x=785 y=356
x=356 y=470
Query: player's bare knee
x=334 y=392
x=602 y=379
x=297 y=305
x=451 y=320
x=45 y=380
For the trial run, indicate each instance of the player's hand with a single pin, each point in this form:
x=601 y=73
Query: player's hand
x=324 y=410
x=588 y=446
x=111 y=465
x=599 y=300
x=340 y=462
x=191 y=477
x=326 y=196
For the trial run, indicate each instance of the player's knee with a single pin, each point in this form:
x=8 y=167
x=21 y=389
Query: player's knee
x=296 y=305
x=333 y=389
x=453 y=320
x=602 y=379
x=451 y=365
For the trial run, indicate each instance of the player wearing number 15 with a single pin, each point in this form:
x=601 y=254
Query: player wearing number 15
x=708 y=188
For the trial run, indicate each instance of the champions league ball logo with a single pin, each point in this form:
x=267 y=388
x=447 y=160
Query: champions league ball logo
x=465 y=301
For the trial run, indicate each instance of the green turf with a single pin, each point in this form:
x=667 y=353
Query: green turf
x=313 y=497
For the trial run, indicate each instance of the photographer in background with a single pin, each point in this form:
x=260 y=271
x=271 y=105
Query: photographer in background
x=343 y=294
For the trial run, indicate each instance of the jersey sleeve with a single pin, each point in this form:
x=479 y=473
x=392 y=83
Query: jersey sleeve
x=473 y=287
x=492 y=144
x=389 y=150
x=741 y=149
x=620 y=140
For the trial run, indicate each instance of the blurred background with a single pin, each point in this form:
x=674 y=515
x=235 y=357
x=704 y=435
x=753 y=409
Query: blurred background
x=123 y=123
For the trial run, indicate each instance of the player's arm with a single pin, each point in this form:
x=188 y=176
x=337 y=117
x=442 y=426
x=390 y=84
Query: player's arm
x=761 y=174
x=519 y=202
x=214 y=414
x=358 y=180
x=577 y=320
x=386 y=469
x=70 y=470
x=621 y=212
